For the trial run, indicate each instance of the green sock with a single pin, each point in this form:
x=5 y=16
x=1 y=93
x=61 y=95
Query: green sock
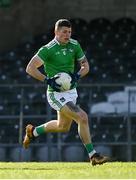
x=40 y=129
x=89 y=147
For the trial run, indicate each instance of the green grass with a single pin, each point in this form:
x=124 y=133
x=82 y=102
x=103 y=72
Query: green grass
x=60 y=170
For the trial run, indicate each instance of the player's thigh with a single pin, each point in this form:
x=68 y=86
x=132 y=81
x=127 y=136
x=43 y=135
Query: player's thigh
x=57 y=100
x=72 y=111
x=63 y=120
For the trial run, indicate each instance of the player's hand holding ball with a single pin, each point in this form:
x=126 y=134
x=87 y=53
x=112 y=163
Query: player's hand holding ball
x=75 y=78
x=52 y=83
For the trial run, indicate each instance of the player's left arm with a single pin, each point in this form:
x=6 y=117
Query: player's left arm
x=84 y=67
x=82 y=60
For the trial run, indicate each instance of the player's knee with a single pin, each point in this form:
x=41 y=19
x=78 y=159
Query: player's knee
x=83 y=117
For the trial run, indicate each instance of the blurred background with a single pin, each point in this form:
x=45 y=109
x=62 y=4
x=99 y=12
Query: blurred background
x=106 y=30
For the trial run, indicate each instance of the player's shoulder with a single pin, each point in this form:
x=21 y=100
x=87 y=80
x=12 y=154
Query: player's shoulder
x=73 y=41
x=51 y=44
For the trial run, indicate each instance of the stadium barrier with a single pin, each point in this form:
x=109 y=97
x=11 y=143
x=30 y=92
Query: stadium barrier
x=111 y=109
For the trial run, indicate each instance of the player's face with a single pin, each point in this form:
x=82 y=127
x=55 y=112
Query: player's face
x=63 y=34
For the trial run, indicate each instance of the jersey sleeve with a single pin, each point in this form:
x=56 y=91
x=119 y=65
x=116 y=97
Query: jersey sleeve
x=42 y=53
x=79 y=53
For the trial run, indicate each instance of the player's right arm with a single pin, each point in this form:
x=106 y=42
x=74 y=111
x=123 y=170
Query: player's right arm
x=32 y=68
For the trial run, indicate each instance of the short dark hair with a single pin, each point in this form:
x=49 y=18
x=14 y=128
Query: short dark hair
x=62 y=22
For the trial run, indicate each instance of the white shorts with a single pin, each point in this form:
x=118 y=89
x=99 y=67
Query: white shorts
x=58 y=99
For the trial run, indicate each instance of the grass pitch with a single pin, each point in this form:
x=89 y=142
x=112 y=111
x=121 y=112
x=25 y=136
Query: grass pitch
x=60 y=170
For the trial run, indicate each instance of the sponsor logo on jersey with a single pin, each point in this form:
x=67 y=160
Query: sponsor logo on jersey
x=64 y=51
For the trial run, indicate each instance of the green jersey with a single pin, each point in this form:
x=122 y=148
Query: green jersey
x=60 y=58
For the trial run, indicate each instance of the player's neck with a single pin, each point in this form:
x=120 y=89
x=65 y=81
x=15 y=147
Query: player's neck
x=59 y=42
